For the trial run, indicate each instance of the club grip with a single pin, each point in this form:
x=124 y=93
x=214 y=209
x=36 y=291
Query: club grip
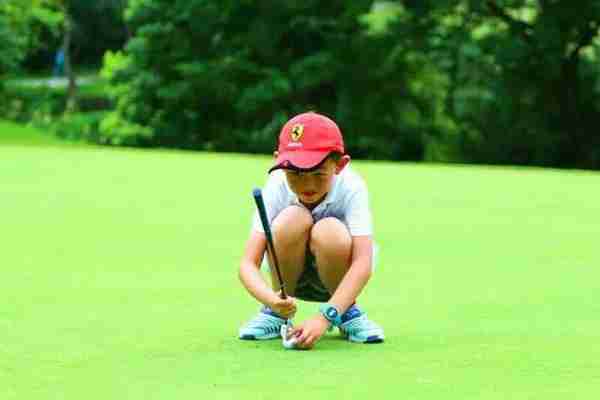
x=262 y=212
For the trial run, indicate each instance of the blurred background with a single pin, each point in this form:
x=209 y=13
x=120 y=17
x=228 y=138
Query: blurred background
x=493 y=82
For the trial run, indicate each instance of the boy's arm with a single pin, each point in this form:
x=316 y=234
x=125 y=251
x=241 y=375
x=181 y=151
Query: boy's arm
x=346 y=293
x=253 y=281
x=357 y=276
x=359 y=220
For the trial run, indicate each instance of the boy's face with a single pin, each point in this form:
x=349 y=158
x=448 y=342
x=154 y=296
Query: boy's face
x=312 y=187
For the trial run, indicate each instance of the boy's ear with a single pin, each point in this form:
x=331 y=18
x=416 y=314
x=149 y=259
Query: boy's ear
x=275 y=154
x=341 y=164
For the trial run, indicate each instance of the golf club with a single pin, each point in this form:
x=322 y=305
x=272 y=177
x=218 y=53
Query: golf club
x=260 y=205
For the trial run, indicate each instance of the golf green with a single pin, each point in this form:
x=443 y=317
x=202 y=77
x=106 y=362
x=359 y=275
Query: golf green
x=118 y=274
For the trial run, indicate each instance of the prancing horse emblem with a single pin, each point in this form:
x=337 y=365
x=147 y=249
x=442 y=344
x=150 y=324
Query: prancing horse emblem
x=297 y=131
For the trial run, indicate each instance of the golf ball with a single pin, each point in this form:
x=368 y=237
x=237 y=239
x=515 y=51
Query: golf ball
x=288 y=343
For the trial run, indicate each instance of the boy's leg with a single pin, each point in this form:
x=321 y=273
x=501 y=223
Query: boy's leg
x=331 y=244
x=291 y=231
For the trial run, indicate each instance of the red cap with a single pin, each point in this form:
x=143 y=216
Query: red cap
x=306 y=140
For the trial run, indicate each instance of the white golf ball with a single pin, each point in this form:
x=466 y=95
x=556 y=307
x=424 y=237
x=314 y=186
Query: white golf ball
x=290 y=343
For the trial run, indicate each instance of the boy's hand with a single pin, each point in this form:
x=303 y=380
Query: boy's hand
x=286 y=308
x=310 y=331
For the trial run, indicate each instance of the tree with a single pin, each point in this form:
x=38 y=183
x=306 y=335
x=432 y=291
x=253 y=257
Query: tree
x=19 y=20
x=12 y=49
x=523 y=76
x=494 y=81
x=225 y=75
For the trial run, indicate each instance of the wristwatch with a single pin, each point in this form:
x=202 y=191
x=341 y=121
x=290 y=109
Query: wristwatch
x=331 y=314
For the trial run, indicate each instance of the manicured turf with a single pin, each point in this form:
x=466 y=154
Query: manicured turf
x=11 y=133
x=118 y=275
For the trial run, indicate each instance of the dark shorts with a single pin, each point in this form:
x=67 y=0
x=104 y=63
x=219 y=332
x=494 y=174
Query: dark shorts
x=310 y=287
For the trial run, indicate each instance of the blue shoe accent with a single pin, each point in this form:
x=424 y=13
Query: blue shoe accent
x=351 y=313
x=265 y=325
x=374 y=339
x=358 y=328
x=267 y=310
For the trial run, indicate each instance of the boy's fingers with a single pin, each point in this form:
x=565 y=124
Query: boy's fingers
x=303 y=338
x=307 y=343
x=296 y=331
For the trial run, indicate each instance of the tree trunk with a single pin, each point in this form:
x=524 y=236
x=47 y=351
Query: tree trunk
x=72 y=89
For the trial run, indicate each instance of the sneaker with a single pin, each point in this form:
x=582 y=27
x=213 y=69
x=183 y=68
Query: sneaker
x=358 y=328
x=266 y=325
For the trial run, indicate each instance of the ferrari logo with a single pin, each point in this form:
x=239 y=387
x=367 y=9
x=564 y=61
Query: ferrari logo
x=297 y=131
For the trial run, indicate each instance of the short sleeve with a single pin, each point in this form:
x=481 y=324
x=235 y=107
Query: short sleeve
x=358 y=214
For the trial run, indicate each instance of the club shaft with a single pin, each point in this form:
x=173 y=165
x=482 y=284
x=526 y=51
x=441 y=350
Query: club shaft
x=260 y=205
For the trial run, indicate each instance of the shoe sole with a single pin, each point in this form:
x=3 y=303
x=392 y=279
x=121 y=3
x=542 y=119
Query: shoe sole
x=370 y=340
x=374 y=339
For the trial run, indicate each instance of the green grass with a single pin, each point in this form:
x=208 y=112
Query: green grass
x=118 y=275
x=17 y=134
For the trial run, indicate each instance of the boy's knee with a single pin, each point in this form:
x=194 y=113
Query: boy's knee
x=329 y=233
x=293 y=222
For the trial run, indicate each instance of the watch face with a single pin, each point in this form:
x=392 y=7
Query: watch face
x=331 y=313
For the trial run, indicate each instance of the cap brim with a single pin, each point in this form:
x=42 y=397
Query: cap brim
x=299 y=160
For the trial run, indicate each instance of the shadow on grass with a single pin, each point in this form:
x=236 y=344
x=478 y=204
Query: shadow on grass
x=330 y=342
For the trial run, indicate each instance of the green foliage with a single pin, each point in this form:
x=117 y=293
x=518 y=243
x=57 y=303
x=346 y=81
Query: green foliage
x=523 y=77
x=230 y=82
x=12 y=49
x=24 y=104
x=24 y=101
x=80 y=126
x=117 y=131
x=96 y=27
x=43 y=106
x=13 y=28
x=99 y=26
x=114 y=129
x=20 y=26
x=495 y=81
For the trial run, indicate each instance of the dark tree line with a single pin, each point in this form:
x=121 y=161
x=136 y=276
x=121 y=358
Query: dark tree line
x=492 y=81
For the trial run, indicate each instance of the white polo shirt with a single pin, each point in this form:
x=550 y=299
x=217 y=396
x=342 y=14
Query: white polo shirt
x=348 y=201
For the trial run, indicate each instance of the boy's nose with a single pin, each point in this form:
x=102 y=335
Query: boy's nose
x=309 y=186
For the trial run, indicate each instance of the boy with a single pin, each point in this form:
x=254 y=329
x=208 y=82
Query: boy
x=321 y=222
